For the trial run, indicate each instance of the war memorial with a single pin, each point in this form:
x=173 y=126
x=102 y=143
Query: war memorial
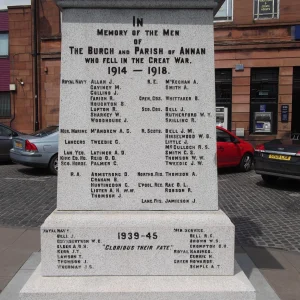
x=137 y=212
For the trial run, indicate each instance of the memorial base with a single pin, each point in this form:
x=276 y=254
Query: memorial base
x=95 y=243
x=236 y=287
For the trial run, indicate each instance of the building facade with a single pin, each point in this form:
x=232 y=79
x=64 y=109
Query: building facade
x=21 y=77
x=4 y=66
x=34 y=60
x=257 y=62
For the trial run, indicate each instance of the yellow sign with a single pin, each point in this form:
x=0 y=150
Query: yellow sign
x=279 y=157
x=18 y=145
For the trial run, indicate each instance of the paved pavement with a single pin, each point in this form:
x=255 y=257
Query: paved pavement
x=28 y=196
x=264 y=216
x=16 y=246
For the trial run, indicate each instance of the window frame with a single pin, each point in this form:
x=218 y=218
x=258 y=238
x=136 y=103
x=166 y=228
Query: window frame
x=257 y=16
x=227 y=20
x=9 y=113
x=5 y=55
x=267 y=106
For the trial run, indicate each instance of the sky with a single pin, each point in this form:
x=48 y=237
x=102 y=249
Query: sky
x=5 y=3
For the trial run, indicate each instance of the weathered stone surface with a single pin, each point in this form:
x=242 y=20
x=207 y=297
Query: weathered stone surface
x=137 y=243
x=137 y=121
x=138 y=3
x=235 y=287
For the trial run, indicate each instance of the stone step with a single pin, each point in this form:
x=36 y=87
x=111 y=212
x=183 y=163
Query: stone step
x=236 y=287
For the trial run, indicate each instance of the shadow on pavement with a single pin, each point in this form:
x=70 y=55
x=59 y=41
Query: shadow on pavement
x=230 y=170
x=224 y=171
x=5 y=163
x=262 y=258
x=282 y=184
x=34 y=171
x=245 y=233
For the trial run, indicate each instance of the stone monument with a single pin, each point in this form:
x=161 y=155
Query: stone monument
x=137 y=213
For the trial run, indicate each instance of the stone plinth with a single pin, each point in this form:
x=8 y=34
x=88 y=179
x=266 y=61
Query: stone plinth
x=137 y=243
x=235 y=287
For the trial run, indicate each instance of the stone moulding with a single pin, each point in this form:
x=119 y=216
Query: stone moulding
x=177 y=4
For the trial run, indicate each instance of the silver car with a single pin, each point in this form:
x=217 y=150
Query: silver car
x=39 y=149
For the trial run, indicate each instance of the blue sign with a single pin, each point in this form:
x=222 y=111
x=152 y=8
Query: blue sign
x=297 y=32
x=262 y=108
x=284 y=113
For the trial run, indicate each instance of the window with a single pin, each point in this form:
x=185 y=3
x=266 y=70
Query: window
x=3 y=44
x=264 y=85
x=4 y=104
x=224 y=97
x=266 y=9
x=296 y=31
x=264 y=100
x=46 y=131
x=223 y=86
x=225 y=12
x=223 y=136
x=5 y=131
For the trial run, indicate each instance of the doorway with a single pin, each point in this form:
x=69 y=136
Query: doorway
x=296 y=104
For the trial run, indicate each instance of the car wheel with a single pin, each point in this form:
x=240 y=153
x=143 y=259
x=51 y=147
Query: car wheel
x=246 y=162
x=269 y=179
x=53 y=165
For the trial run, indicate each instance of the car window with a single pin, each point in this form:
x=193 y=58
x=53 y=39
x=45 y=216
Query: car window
x=45 y=131
x=5 y=131
x=223 y=136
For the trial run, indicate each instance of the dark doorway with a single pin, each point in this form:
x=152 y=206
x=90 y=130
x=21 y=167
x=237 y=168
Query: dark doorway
x=296 y=103
x=224 y=91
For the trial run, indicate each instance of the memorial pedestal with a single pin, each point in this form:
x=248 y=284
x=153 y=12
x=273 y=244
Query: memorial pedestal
x=137 y=243
x=137 y=183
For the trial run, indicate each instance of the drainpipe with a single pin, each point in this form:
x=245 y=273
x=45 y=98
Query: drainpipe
x=35 y=62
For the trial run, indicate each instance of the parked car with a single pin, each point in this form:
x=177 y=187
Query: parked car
x=6 y=141
x=277 y=158
x=39 y=149
x=233 y=151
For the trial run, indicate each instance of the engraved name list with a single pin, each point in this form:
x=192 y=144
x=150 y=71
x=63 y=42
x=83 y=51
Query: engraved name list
x=145 y=125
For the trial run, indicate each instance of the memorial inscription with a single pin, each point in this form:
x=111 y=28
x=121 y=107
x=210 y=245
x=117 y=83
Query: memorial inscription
x=182 y=250
x=137 y=214
x=145 y=138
